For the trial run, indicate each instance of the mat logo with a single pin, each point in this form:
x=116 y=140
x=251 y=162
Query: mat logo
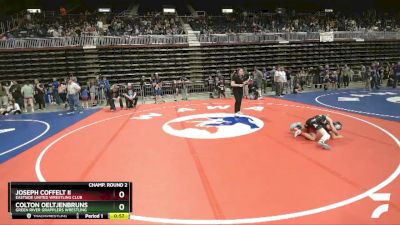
x=212 y=126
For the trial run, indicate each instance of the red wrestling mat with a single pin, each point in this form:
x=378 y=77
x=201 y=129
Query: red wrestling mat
x=191 y=163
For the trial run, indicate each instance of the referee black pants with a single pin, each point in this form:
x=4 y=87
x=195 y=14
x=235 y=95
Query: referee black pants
x=238 y=98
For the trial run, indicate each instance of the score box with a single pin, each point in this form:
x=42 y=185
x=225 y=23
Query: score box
x=73 y=200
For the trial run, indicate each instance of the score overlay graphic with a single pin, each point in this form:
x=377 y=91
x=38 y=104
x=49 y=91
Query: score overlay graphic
x=74 y=200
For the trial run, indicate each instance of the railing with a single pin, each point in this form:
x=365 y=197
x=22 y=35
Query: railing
x=367 y=35
x=183 y=39
x=237 y=38
x=7 y=25
x=258 y=37
x=92 y=41
x=177 y=91
x=292 y=36
x=143 y=40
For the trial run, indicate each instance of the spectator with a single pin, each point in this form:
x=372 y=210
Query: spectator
x=62 y=91
x=266 y=80
x=40 y=95
x=175 y=88
x=15 y=91
x=73 y=90
x=115 y=97
x=131 y=97
x=319 y=77
x=3 y=96
x=374 y=77
x=333 y=79
x=55 y=84
x=12 y=108
x=221 y=86
x=157 y=85
x=210 y=84
x=27 y=92
x=272 y=77
x=104 y=91
x=288 y=84
x=302 y=78
x=258 y=78
x=185 y=82
x=339 y=76
x=63 y=11
x=396 y=73
x=351 y=76
x=280 y=80
x=142 y=86
x=93 y=93
x=326 y=80
x=379 y=74
x=366 y=76
x=296 y=87
x=246 y=77
x=389 y=75
x=49 y=95
x=85 y=97
x=310 y=76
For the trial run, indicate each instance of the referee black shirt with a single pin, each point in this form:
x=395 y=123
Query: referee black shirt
x=238 y=80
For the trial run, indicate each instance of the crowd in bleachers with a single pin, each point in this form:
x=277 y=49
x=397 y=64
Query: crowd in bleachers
x=94 y=24
x=157 y=25
x=57 y=25
x=294 y=22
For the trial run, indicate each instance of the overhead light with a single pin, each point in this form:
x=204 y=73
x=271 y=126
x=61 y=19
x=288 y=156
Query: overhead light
x=104 y=10
x=169 y=10
x=328 y=10
x=280 y=10
x=34 y=10
x=226 y=10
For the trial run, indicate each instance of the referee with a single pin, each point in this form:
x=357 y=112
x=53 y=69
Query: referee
x=237 y=84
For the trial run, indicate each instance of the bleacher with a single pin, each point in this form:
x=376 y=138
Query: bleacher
x=129 y=63
x=43 y=64
x=226 y=58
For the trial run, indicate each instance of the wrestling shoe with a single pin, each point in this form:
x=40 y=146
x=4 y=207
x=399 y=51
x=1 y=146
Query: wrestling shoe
x=324 y=145
x=239 y=114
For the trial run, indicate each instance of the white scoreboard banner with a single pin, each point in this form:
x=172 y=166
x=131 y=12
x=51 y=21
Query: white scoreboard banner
x=326 y=37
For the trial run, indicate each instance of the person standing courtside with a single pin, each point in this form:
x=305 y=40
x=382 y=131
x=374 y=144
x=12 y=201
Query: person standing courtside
x=73 y=90
x=280 y=80
x=39 y=95
x=185 y=86
x=157 y=84
x=396 y=73
x=15 y=91
x=3 y=96
x=246 y=93
x=55 y=84
x=237 y=84
x=27 y=92
x=258 y=78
